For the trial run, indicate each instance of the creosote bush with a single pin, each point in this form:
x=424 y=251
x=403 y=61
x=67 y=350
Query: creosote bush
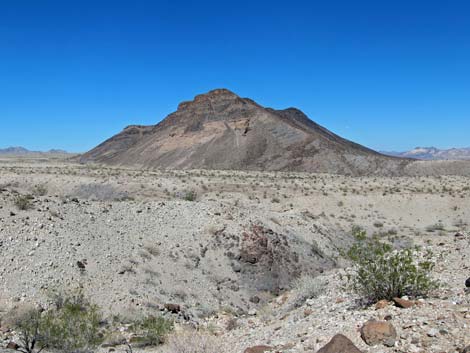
x=29 y=326
x=72 y=325
x=381 y=272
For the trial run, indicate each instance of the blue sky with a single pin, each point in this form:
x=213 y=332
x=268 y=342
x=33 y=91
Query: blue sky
x=388 y=74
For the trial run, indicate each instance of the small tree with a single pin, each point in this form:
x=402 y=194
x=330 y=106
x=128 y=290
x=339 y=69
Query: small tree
x=29 y=325
x=381 y=272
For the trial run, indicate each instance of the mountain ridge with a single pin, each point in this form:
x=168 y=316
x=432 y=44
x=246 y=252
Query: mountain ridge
x=19 y=150
x=433 y=153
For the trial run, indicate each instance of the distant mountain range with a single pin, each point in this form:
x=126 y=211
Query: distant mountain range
x=21 y=151
x=433 y=153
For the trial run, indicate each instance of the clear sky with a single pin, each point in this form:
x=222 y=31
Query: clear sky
x=391 y=75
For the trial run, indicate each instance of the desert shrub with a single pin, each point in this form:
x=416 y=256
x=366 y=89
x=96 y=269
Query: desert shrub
x=381 y=272
x=152 y=330
x=29 y=325
x=23 y=202
x=192 y=342
x=73 y=325
x=190 y=195
x=306 y=287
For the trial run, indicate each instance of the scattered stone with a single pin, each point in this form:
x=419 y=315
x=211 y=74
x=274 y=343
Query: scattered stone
x=433 y=332
x=258 y=349
x=252 y=312
x=403 y=303
x=375 y=332
x=382 y=304
x=12 y=345
x=173 y=308
x=308 y=312
x=339 y=344
x=465 y=350
x=81 y=265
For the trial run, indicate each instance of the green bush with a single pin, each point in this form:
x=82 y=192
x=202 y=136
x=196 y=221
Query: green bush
x=190 y=195
x=152 y=330
x=74 y=324
x=381 y=272
x=29 y=326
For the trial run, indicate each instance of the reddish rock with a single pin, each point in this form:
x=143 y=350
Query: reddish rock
x=379 y=332
x=173 y=308
x=403 y=303
x=381 y=304
x=258 y=349
x=12 y=345
x=339 y=344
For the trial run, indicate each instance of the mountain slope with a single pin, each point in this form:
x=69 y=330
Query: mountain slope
x=220 y=130
x=433 y=153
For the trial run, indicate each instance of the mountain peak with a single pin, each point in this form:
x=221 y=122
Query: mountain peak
x=219 y=94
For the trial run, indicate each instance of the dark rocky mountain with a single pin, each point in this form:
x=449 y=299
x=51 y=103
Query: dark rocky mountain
x=433 y=153
x=220 y=130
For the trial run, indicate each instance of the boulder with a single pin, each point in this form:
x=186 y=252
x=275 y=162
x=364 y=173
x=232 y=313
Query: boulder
x=339 y=344
x=375 y=332
x=467 y=282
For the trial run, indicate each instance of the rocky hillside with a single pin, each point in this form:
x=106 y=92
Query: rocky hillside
x=220 y=130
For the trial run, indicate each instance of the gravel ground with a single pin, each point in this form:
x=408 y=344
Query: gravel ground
x=134 y=241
